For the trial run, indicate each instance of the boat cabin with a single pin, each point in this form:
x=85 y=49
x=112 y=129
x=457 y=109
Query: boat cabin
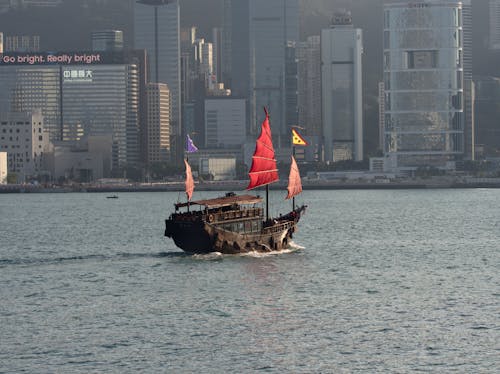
x=237 y=213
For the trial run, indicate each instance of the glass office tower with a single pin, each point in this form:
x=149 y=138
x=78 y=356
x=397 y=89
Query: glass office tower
x=28 y=88
x=424 y=83
x=157 y=30
x=77 y=100
x=342 y=90
x=273 y=25
x=259 y=37
x=104 y=99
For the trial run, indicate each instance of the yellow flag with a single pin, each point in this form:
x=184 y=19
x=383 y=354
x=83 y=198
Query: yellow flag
x=297 y=139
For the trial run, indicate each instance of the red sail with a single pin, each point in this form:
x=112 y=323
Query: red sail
x=189 y=181
x=264 y=170
x=294 y=182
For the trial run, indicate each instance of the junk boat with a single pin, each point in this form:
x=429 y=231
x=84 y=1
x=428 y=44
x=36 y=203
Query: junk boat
x=236 y=223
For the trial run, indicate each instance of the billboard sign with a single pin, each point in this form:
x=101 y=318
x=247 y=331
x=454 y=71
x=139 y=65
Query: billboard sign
x=48 y=58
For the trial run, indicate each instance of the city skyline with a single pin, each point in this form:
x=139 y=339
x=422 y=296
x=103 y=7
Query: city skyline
x=261 y=59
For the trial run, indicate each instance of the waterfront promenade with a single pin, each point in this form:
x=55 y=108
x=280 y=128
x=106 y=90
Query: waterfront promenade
x=409 y=183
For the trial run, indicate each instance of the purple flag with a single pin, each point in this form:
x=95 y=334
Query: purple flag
x=190 y=147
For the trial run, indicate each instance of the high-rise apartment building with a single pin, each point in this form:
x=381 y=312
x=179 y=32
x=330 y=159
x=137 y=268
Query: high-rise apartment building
x=157 y=30
x=342 y=90
x=24 y=88
x=23 y=137
x=258 y=34
x=424 y=83
x=158 y=123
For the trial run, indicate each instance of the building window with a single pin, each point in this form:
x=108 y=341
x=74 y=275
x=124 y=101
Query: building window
x=421 y=59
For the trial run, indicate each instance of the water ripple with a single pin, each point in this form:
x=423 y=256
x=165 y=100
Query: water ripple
x=379 y=281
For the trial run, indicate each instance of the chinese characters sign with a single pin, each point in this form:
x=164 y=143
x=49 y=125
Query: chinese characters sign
x=78 y=75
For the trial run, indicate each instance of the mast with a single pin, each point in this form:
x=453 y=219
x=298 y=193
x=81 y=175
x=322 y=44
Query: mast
x=264 y=170
x=293 y=159
x=267 y=202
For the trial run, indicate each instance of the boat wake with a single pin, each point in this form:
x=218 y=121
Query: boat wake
x=4 y=262
x=215 y=256
x=295 y=246
x=292 y=248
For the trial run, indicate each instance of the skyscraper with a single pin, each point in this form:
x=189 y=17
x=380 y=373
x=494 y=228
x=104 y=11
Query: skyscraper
x=260 y=32
x=107 y=40
x=218 y=52
x=494 y=39
x=342 y=90
x=13 y=4
x=25 y=141
x=22 y=43
x=157 y=30
x=158 y=122
x=224 y=122
x=74 y=96
x=309 y=98
x=424 y=83
x=469 y=125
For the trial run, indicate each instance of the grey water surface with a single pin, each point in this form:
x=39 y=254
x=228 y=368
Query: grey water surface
x=378 y=281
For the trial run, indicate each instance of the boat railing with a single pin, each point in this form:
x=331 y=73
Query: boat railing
x=223 y=216
x=278 y=227
x=187 y=216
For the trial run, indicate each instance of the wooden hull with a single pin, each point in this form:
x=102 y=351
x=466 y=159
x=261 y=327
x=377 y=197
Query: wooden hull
x=195 y=234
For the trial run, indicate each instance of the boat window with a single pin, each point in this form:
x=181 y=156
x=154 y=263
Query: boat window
x=241 y=226
x=248 y=226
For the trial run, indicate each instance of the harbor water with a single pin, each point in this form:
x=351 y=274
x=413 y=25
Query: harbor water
x=394 y=281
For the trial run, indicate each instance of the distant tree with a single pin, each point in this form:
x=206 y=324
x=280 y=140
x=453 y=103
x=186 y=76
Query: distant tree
x=133 y=173
x=160 y=170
